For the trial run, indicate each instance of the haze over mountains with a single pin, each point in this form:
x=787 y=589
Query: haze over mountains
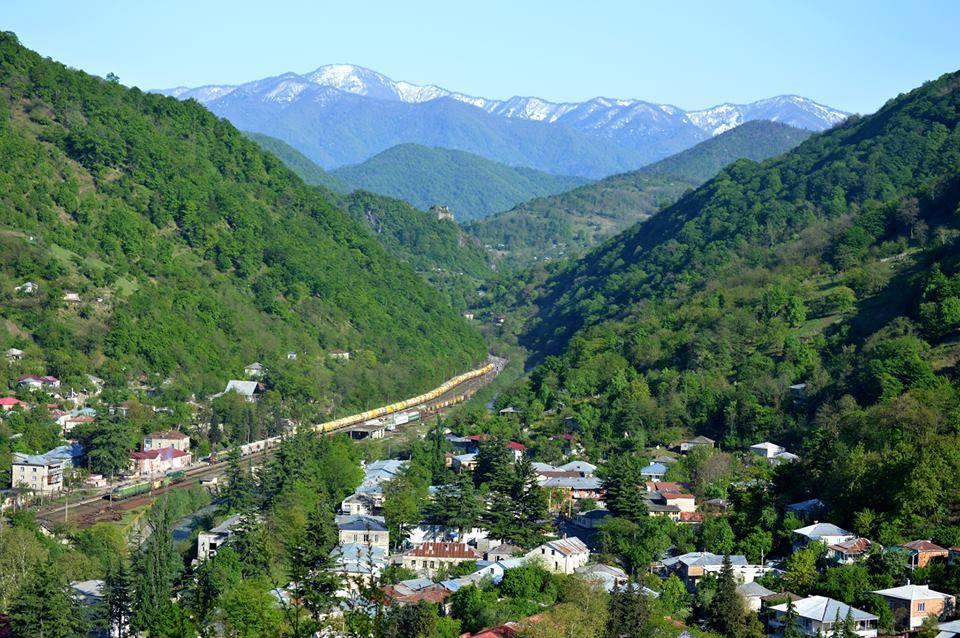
x=344 y=114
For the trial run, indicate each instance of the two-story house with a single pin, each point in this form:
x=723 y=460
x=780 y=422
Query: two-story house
x=561 y=556
x=367 y=530
x=911 y=604
x=427 y=558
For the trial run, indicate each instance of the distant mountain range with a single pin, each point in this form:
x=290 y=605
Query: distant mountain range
x=565 y=224
x=472 y=186
x=344 y=114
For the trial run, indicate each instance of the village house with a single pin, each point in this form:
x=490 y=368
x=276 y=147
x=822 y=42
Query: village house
x=35 y=382
x=370 y=430
x=367 y=530
x=816 y=616
x=159 y=461
x=358 y=564
x=949 y=629
x=849 y=552
x=772 y=452
x=565 y=490
x=358 y=505
x=921 y=552
x=254 y=370
x=465 y=462
x=291 y=356
x=695 y=442
x=561 y=556
x=27 y=288
x=501 y=552
x=168 y=438
x=826 y=533
x=69 y=421
x=911 y=604
x=415 y=591
x=517 y=449
x=213 y=539
x=753 y=594
x=427 y=558
x=9 y=403
x=581 y=467
x=249 y=390
x=654 y=472
x=14 y=355
x=608 y=576
x=693 y=566
x=341 y=355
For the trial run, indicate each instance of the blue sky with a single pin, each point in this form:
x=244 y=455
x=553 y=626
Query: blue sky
x=850 y=55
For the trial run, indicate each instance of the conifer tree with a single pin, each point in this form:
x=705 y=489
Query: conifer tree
x=240 y=490
x=311 y=564
x=117 y=600
x=155 y=566
x=622 y=484
x=791 y=628
x=629 y=613
x=726 y=614
x=44 y=609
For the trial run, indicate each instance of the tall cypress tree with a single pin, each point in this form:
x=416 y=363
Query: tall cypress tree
x=530 y=505
x=726 y=613
x=117 y=600
x=311 y=567
x=155 y=566
x=240 y=490
x=622 y=484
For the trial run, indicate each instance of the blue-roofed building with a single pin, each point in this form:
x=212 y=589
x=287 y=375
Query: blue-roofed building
x=654 y=472
x=43 y=473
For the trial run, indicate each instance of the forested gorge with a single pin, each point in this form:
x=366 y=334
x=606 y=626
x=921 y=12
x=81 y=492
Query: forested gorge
x=193 y=251
x=831 y=269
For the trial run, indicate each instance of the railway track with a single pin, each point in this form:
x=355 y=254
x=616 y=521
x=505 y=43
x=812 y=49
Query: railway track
x=97 y=508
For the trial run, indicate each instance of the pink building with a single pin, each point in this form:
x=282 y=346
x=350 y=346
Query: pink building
x=155 y=462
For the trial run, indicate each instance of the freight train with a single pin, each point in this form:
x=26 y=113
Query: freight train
x=347 y=421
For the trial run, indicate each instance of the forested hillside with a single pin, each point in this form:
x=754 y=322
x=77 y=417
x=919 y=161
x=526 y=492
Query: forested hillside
x=574 y=221
x=471 y=186
x=436 y=248
x=298 y=163
x=756 y=140
x=192 y=251
x=809 y=300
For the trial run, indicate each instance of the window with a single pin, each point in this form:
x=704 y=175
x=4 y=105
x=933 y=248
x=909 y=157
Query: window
x=921 y=606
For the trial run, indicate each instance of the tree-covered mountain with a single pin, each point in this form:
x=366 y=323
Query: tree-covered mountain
x=470 y=185
x=436 y=248
x=570 y=222
x=811 y=300
x=193 y=253
x=299 y=163
x=755 y=140
x=343 y=114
